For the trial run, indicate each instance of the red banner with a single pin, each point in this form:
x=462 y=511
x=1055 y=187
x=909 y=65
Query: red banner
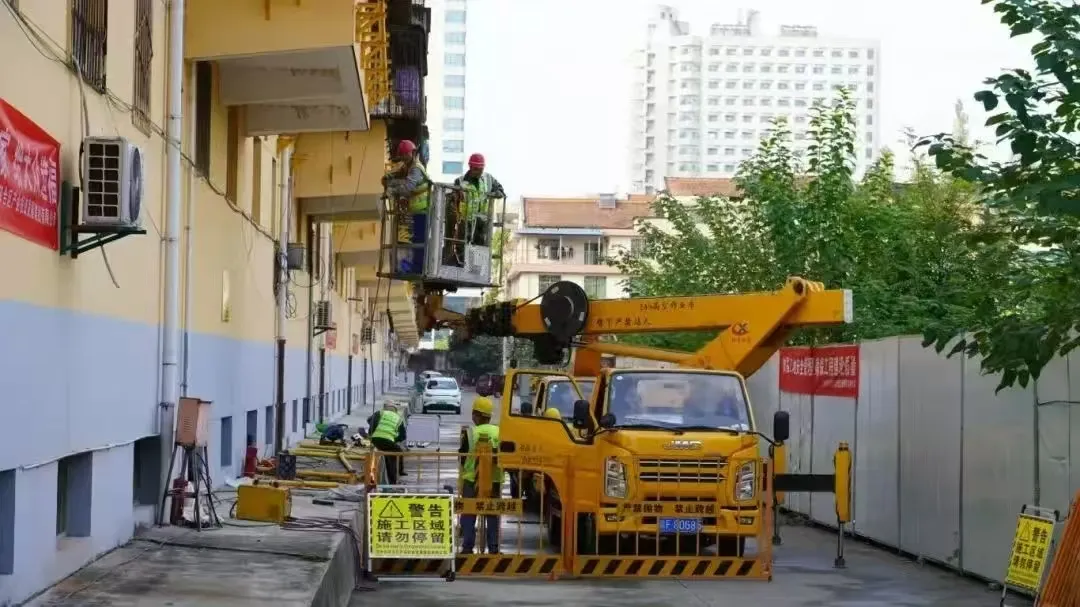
x=821 y=371
x=29 y=179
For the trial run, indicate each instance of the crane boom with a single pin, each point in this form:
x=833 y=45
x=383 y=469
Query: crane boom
x=752 y=326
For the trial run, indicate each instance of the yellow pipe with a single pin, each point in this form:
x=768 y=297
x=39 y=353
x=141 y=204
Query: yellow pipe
x=343 y=477
x=308 y=484
x=316 y=453
x=344 y=459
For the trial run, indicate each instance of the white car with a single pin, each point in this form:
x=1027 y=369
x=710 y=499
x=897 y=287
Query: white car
x=441 y=394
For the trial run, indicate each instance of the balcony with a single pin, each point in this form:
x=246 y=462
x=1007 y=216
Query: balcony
x=339 y=175
x=357 y=246
x=297 y=66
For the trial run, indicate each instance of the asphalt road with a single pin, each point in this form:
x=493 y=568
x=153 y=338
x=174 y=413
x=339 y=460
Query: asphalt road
x=803 y=576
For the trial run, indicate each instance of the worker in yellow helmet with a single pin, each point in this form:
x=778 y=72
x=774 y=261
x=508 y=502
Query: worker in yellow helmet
x=553 y=413
x=483 y=429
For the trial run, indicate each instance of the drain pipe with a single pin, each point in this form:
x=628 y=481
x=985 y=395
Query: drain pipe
x=189 y=248
x=170 y=383
x=285 y=146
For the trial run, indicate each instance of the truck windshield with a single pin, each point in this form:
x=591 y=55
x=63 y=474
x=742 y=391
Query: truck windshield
x=561 y=395
x=678 y=400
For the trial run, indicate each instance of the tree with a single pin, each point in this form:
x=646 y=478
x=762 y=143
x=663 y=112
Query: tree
x=1031 y=202
x=903 y=250
x=482 y=354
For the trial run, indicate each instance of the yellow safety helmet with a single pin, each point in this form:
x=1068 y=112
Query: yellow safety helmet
x=553 y=413
x=482 y=405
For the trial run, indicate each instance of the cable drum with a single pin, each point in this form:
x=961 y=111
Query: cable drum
x=564 y=308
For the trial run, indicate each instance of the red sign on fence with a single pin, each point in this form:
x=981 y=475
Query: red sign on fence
x=822 y=370
x=29 y=179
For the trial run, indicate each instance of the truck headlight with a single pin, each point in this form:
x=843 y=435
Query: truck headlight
x=745 y=480
x=615 y=479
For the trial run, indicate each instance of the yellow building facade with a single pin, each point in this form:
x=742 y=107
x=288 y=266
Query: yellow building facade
x=81 y=347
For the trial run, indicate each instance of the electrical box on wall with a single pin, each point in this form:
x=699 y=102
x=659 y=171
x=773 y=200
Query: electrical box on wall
x=323 y=315
x=295 y=253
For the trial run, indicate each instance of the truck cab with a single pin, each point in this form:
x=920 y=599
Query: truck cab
x=661 y=460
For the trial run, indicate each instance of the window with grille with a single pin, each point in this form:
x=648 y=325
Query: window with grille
x=594 y=254
x=144 y=55
x=596 y=287
x=89 y=32
x=547 y=248
x=546 y=280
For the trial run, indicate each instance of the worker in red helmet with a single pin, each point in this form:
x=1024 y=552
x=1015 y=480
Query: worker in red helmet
x=480 y=188
x=409 y=186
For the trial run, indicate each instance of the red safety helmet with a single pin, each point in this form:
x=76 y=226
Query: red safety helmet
x=405 y=148
x=476 y=161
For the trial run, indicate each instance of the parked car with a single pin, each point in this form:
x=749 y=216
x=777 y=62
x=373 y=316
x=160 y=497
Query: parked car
x=441 y=394
x=489 y=384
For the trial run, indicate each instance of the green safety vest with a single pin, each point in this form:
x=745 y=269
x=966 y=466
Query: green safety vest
x=420 y=197
x=491 y=433
x=476 y=196
x=388 y=425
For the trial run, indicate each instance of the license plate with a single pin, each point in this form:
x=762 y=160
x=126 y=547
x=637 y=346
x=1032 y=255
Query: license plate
x=680 y=525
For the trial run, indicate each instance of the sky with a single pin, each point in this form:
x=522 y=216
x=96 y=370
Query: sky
x=549 y=80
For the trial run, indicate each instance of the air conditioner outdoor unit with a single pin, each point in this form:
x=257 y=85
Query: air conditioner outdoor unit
x=323 y=314
x=112 y=182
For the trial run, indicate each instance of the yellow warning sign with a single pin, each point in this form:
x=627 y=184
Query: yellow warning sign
x=410 y=526
x=1030 y=549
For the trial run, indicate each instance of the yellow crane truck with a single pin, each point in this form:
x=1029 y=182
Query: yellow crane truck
x=682 y=434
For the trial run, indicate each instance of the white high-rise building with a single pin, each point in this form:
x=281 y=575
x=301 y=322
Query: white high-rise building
x=445 y=87
x=701 y=104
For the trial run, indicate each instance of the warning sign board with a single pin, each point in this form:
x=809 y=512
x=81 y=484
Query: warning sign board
x=410 y=526
x=1030 y=551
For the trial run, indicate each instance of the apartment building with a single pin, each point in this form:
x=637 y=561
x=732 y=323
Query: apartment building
x=111 y=306
x=700 y=104
x=446 y=90
x=570 y=239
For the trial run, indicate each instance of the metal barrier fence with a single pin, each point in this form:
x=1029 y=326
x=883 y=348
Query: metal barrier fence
x=1062 y=587
x=672 y=516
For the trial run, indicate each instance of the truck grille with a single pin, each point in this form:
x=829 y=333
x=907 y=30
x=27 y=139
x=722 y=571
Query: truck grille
x=710 y=470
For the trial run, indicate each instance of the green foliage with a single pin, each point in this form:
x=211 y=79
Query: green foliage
x=500 y=266
x=1031 y=203
x=482 y=354
x=903 y=250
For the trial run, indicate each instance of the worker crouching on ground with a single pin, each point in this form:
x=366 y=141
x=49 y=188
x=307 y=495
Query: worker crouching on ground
x=386 y=429
x=409 y=188
x=479 y=188
x=482 y=430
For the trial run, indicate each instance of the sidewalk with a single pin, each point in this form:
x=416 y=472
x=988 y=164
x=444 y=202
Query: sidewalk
x=240 y=564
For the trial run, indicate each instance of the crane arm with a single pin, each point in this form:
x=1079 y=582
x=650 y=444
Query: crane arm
x=752 y=326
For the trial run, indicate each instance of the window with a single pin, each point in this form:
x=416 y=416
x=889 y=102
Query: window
x=89 y=34
x=869 y=53
x=74 y=495
x=453 y=125
x=748 y=52
x=836 y=69
x=294 y=415
x=144 y=54
x=252 y=426
x=730 y=52
x=637 y=246
x=819 y=69
x=454 y=59
x=454 y=81
x=837 y=53
x=232 y=153
x=596 y=287
x=7 y=522
x=455 y=38
x=765 y=52
x=268 y=432
x=454 y=103
x=452 y=168
x=869 y=120
x=783 y=52
x=204 y=81
x=819 y=52
x=729 y=101
x=455 y=16
x=594 y=254
x=226 y=442
x=800 y=52
x=453 y=145
x=146 y=455
x=546 y=280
